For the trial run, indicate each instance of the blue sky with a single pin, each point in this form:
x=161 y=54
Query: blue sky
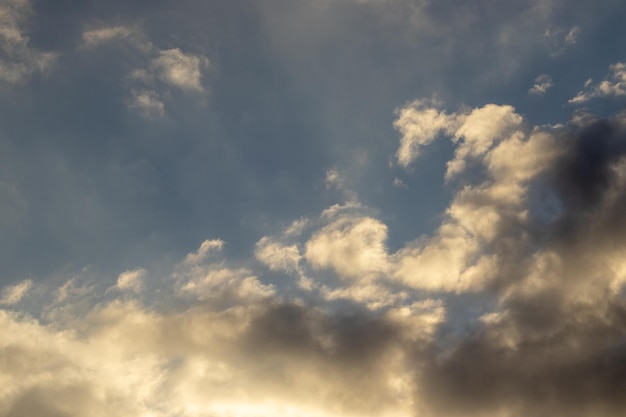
x=312 y=207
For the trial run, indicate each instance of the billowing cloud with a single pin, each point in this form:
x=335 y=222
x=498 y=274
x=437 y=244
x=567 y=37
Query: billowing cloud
x=359 y=290
x=613 y=86
x=218 y=355
x=420 y=124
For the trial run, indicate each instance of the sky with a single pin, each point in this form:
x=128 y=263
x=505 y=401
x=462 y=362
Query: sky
x=312 y=208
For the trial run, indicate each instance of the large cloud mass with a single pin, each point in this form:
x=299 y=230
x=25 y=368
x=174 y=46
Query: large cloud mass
x=270 y=238
x=220 y=341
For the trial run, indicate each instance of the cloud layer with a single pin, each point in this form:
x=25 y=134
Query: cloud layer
x=217 y=338
x=212 y=209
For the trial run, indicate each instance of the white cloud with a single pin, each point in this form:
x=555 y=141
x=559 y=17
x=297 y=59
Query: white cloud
x=14 y=293
x=202 y=277
x=131 y=280
x=613 y=86
x=478 y=131
x=18 y=60
x=352 y=247
x=474 y=131
x=252 y=356
x=542 y=84
x=420 y=123
x=148 y=103
x=278 y=256
x=459 y=257
x=162 y=69
x=179 y=69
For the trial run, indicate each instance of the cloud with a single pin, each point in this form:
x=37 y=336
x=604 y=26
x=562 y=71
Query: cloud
x=162 y=68
x=352 y=247
x=543 y=83
x=613 y=86
x=420 y=122
x=250 y=357
x=14 y=293
x=181 y=70
x=559 y=39
x=96 y=37
x=278 y=256
x=148 y=103
x=19 y=60
x=131 y=280
x=375 y=333
x=475 y=131
x=555 y=339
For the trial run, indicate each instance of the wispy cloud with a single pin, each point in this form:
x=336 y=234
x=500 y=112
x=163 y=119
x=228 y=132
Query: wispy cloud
x=14 y=293
x=543 y=83
x=19 y=60
x=163 y=68
x=613 y=86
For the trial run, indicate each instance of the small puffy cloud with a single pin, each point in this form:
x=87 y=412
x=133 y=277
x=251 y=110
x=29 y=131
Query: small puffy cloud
x=148 y=103
x=162 y=69
x=542 y=84
x=179 y=69
x=18 y=60
x=353 y=247
x=278 y=256
x=420 y=123
x=14 y=293
x=613 y=86
x=131 y=280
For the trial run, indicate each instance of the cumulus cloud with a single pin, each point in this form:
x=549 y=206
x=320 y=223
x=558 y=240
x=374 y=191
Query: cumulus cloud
x=353 y=247
x=250 y=356
x=374 y=332
x=421 y=122
x=542 y=84
x=19 y=60
x=613 y=86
